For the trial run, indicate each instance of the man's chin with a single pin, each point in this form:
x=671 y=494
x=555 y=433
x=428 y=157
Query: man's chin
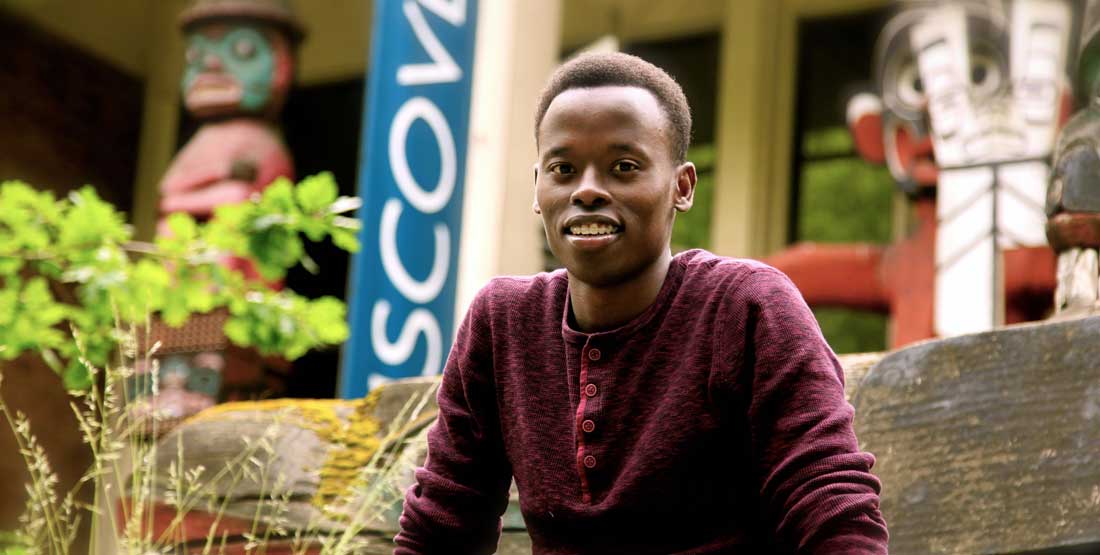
x=596 y=271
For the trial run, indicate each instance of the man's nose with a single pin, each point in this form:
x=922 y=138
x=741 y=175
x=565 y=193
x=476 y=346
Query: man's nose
x=590 y=190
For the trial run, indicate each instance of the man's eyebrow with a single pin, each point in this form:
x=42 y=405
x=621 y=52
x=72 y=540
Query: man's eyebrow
x=626 y=147
x=557 y=151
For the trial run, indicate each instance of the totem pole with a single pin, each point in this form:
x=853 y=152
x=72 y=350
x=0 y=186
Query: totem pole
x=970 y=96
x=239 y=67
x=240 y=63
x=1073 y=198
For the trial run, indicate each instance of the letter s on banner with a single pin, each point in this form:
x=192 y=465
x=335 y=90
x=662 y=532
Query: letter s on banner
x=402 y=290
x=422 y=292
x=419 y=321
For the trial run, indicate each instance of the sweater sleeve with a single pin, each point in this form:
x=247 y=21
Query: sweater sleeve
x=462 y=490
x=817 y=491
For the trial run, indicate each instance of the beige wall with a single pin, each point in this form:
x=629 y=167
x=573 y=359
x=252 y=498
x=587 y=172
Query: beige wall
x=756 y=96
x=584 y=21
x=142 y=38
x=113 y=30
x=755 y=120
x=756 y=99
x=517 y=49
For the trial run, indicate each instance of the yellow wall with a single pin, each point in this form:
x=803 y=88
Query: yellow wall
x=113 y=30
x=755 y=120
x=584 y=21
x=142 y=38
x=756 y=97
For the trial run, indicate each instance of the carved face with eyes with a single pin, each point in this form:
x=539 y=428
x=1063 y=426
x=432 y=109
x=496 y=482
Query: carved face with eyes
x=975 y=82
x=236 y=67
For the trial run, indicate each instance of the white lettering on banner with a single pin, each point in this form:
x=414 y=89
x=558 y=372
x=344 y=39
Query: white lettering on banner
x=443 y=68
x=421 y=108
x=454 y=11
x=419 y=321
x=416 y=291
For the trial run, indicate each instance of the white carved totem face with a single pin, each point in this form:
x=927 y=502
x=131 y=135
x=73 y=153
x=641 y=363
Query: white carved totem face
x=985 y=79
x=992 y=75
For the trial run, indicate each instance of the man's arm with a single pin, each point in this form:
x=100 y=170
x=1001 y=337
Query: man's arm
x=462 y=490
x=815 y=485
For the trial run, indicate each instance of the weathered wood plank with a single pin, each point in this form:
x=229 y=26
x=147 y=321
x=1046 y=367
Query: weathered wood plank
x=988 y=443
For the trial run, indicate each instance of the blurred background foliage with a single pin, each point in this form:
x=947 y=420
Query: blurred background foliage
x=843 y=199
x=692 y=228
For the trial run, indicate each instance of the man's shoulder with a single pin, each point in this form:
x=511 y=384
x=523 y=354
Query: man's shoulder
x=523 y=292
x=739 y=277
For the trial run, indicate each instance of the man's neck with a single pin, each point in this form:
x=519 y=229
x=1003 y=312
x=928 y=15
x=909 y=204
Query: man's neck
x=603 y=308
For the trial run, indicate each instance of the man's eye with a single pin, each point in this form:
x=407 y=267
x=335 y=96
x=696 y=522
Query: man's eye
x=623 y=166
x=562 y=169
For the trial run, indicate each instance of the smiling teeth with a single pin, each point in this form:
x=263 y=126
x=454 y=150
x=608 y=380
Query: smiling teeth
x=593 y=229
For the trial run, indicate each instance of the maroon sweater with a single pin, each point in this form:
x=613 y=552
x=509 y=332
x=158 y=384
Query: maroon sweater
x=714 y=422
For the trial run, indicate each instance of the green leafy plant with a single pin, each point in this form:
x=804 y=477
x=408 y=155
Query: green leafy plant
x=69 y=267
x=77 y=289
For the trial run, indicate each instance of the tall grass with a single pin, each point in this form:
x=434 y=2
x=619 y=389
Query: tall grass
x=125 y=467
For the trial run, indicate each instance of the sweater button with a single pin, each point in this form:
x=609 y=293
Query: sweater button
x=588 y=426
x=590 y=390
x=593 y=355
x=590 y=462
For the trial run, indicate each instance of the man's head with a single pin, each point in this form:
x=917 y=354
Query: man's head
x=618 y=69
x=612 y=133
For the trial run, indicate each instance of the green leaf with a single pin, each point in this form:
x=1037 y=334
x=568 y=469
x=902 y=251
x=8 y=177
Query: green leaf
x=238 y=331
x=278 y=198
x=91 y=221
x=327 y=317
x=314 y=229
x=76 y=376
x=175 y=311
x=345 y=240
x=316 y=193
x=9 y=266
x=182 y=225
x=275 y=250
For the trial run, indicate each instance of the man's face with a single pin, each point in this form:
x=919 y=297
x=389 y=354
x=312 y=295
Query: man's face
x=606 y=185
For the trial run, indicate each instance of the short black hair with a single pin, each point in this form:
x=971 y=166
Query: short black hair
x=616 y=69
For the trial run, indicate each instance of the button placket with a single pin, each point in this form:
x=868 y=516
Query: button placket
x=585 y=422
x=590 y=390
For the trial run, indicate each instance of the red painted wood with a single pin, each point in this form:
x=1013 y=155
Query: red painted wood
x=900 y=279
x=836 y=275
x=197 y=525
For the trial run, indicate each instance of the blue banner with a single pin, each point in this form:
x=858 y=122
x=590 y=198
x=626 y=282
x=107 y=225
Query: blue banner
x=412 y=164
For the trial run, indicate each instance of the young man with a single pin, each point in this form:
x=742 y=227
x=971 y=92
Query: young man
x=644 y=403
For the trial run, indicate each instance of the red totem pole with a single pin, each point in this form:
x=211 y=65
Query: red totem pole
x=239 y=67
x=965 y=117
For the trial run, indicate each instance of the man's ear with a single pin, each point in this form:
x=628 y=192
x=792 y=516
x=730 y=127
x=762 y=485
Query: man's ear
x=686 y=178
x=535 y=203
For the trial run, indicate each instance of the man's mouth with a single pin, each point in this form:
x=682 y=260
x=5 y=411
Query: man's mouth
x=593 y=229
x=591 y=232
